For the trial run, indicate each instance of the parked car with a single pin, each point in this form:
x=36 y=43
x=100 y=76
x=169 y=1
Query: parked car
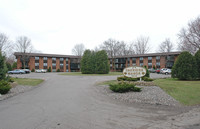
x=158 y=71
x=26 y=70
x=16 y=71
x=41 y=71
x=166 y=71
x=152 y=70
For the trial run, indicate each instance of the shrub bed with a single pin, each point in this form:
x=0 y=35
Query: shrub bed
x=4 y=87
x=124 y=87
x=124 y=78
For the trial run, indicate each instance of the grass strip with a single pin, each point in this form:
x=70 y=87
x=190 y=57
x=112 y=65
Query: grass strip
x=28 y=81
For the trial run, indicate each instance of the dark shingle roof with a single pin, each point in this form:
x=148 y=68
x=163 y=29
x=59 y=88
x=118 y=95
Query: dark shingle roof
x=45 y=55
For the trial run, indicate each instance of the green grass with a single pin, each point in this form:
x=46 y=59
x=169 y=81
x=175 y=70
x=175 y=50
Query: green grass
x=186 y=92
x=80 y=74
x=28 y=81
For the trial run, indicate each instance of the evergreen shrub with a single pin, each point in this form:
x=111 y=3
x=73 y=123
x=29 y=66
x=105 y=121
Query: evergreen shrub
x=197 y=57
x=33 y=70
x=4 y=87
x=185 y=67
x=49 y=69
x=124 y=87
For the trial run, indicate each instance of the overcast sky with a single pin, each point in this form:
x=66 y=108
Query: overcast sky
x=55 y=26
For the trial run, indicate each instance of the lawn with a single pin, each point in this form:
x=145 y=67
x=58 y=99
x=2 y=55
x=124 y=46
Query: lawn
x=186 y=92
x=80 y=74
x=28 y=81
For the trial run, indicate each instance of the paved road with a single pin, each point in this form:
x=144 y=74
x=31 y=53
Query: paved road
x=73 y=102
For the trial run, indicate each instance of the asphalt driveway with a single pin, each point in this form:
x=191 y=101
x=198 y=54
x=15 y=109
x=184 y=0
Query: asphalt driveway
x=74 y=102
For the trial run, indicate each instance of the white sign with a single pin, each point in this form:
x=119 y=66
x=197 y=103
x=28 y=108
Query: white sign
x=134 y=72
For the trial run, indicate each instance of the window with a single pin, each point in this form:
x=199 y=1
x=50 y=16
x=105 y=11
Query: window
x=133 y=60
x=141 y=60
x=116 y=66
x=45 y=65
x=157 y=63
x=61 y=66
x=36 y=65
x=157 y=57
x=44 y=58
x=67 y=61
x=141 y=64
x=36 y=58
x=67 y=66
x=149 y=58
x=149 y=65
x=53 y=60
x=53 y=65
x=116 y=60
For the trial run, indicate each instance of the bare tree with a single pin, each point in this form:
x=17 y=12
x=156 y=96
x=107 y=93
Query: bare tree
x=166 y=46
x=125 y=49
x=23 y=45
x=190 y=36
x=141 y=45
x=78 y=49
x=5 y=43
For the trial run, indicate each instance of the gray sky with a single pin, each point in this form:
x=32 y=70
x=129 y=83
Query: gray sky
x=55 y=26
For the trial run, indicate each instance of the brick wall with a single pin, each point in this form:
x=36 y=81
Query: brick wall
x=57 y=64
x=49 y=63
x=153 y=61
x=162 y=61
x=31 y=63
x=40 y=62
x=19 y=64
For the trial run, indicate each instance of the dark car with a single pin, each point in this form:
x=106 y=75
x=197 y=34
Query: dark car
x=16 y=71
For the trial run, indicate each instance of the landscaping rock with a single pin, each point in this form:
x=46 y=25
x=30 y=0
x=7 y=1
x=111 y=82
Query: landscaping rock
x=148 y=95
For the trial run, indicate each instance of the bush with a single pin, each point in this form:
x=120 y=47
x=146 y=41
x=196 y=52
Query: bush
x=33 y=70
x=185 y=68
x=147 y=72
x=126 y=79
x=147 y=79
x=49 y=69
x=3 y=68
x=101 y=62
x=94 y=62
x=58 y=70
x=9 y=67
x=4 y=87
x=9 y=79
x=124 y=87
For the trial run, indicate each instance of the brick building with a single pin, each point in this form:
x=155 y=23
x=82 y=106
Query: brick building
x=70 y=63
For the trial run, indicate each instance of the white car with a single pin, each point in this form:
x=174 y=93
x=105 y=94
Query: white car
x=166 y=71
x=41 y=71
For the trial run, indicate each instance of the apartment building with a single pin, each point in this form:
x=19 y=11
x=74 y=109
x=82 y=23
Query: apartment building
x=70 y=63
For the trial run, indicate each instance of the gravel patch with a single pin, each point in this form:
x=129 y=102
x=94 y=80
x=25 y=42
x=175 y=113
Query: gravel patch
x=15 y=90
x=149 y=95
